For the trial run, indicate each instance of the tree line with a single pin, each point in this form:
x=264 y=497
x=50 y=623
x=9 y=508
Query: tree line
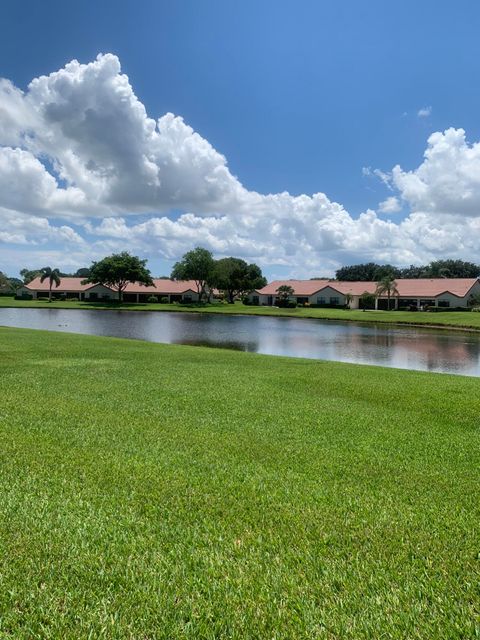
x=372 y=272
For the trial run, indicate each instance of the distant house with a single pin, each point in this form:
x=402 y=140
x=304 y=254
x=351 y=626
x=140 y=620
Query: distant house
x=174 y=290
x=437 y=292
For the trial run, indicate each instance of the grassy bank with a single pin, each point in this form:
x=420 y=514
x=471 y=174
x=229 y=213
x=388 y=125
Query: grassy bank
x=153 y=491
x=455 y=319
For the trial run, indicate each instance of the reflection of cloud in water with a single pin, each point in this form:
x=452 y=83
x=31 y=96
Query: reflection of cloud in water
x=403 y=347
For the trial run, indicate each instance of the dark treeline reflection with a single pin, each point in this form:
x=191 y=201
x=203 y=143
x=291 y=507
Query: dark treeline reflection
x=407 y=348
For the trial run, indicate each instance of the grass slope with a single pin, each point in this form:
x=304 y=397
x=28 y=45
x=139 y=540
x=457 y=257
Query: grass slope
x=153 y=491
x=455 y=319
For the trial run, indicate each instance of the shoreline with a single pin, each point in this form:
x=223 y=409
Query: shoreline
x=272 y=312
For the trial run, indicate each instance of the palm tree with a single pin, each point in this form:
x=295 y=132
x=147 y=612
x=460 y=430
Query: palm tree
x=284 y=292
x=387 y=285
x=53 y=276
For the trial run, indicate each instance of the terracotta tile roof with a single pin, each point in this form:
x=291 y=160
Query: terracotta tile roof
x=435 y=286
x=301 y=287
x=163 y=286
x=66 y=284
x=407 y=288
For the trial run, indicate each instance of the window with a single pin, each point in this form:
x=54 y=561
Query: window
x=321 y=300
x=334 y=300
x=444 y=303
x=255 y=300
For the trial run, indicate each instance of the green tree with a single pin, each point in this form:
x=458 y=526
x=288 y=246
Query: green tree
x=452 y=269
x=474 y=300
x=235 y=277
x=367 y=272
x=5 y=284
x=284 y=292
x=84 y=272
x=53 y=277
x=15 y=283
x=413 y=271
x=387 y=286
x=367 y=300
x=198 y=265
x=30 y=274
x=118 y=270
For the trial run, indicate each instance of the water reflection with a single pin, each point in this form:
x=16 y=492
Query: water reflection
x=407 y=348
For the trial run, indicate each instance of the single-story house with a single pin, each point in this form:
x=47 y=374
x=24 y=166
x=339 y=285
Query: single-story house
x=174 y=290
x=437 y=292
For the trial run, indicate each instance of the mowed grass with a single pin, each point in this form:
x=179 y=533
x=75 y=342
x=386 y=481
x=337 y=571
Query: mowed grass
x=456 y=319
x=158 y=491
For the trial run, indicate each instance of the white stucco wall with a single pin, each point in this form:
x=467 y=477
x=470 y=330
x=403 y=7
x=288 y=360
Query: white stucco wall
x=101 y=292
x=327 y=293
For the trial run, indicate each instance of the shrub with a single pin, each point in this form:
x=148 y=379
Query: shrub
x=474 y=300
x=246 y=301
x=164 y=300
x=152 y=299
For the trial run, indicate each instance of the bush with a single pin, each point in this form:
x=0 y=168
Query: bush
x=24 y=296
x=152 y=299
x=286 y=304
x=327 y=305
x=246 y=301
x=164 y=300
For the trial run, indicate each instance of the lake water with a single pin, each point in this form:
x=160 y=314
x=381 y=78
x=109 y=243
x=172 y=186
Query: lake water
x=404 y=347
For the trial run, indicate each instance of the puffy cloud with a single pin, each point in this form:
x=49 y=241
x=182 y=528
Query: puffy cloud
x=447 y=181
x=390 y=205
x=424 y=112
x=88 y=122
x=24 y=229
x=79 y=146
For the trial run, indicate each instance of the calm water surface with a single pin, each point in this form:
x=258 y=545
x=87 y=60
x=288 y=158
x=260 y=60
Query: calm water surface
x=406 y=348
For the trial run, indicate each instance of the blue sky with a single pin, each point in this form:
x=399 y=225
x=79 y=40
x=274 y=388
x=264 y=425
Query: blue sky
x=298 y=96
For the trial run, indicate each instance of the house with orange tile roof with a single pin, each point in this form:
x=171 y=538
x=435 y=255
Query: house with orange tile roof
x=174 y=290
x=421 y=292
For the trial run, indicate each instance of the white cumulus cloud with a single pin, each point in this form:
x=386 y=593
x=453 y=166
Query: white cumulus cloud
x=424 y=112
x=390 y=205
x=82 y=165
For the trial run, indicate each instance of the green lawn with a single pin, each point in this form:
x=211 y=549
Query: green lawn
x=456 y=319
x=158 y=491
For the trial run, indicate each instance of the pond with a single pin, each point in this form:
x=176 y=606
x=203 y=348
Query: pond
x=403 y=347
